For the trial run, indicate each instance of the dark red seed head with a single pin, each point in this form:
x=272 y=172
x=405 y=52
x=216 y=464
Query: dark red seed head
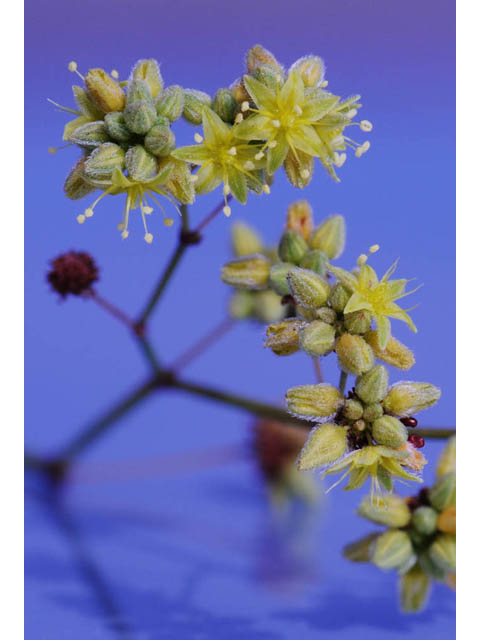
x=288 y=300
x=73 y=272
x=409 y=422
x=417 y=441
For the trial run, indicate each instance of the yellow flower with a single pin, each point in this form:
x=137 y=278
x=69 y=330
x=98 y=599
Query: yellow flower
x=376 y=296
x=223 y=157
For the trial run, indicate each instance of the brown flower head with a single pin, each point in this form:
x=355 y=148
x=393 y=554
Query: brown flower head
x=73 y=272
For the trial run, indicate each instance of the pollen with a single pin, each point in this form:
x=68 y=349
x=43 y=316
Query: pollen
x=276 y=123
x=80 y=218
x=88 y=212
x=266 y=189
x=259 y=155
x=245 y=106
x=305 y=173
x=114 y=73
x=72 y=66
x=366 y=125
x=249 y=166
x=148 y=237
x=198 y=138
x=238 y=118
x=227 y=211
x=232 y=151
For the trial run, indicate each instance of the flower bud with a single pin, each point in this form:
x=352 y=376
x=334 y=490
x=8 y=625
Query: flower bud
x=447 y=461
x=241 y=304
x=339 y=297
x=424 y=519
x=373 y=411
x=300 y=218
x=283 y=337
x=138 y=90
x=90 y=135
x=245 y=240
x=258 y=55
x=149 y=72
x=311 y=69
x=116 y=126
x=393 y=549
x=268 y=307
x=104 y=90
x=326 y=315
x=292 y=247
x=76 y=186
x=389 y=510
x=270 y=77
x=103 y=161
x=179 y=182
x=414 y=590
x=372 y=386
x=389 y=431
x=86 y=104
x=428 y=566
x=317 y=338
x=354 y=354
x=160 y=140
x=361 y=550
x=358 y=322
x=443 y=494
x=299 y=168
x=140 y=164
x=313 y=401
x=307 y=288
x=225 y=105
x=238 y=91
x=395 y=353
x=171 y=102
x=140 y=116
x=406 y=398
x=447 y=520
x=326 y=443
x=316 y=261
x=443 y=552
x=329 y=236
x=278 y=277
x=247 y=273
x=352 y=410
x=195 y=103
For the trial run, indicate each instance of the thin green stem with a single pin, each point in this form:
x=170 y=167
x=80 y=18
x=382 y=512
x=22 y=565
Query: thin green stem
x=149 y=353
x=342 y=382
x=435 y=433
x=318 y=369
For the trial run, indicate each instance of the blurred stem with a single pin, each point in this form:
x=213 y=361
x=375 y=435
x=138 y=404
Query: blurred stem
x=436 y=433
x=110 y=308
x=318 y=369
x=342 y=382
x=204 y=343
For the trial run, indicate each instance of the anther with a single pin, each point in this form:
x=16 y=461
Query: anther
x=374 y=248
x=80 y=218
x=245 y=106
x=198 y=138
x=232 y=151
x=366 y=125
x=238 y=118
x=226 y=189
x=52 y=150
x=168 y=222
x=340 y=159
x=361 y=260
x=88 y=212
x=72 y=66
x=249 y=166
x=266 y=189
x=147 y=210
x=148 y=237
x=352 y=113
x=259 y=155
x=323 y=84
x=227 y=211
x=125 y=234
x=114 y=73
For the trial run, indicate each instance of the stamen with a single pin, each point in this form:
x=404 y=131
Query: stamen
x=238 y=118
x=88 y=212
x=148 y=237
x=305 y=173
x=266 y=189
x=227 y=211
x=272 y=144
x=245 y=106
x=259 y=155
x=226 y=189
x=80 y=218
x=361 y=260
x=249 y=166
x=374 y=248
x=73 y=67
x=232 y=151
x=125 y=234
x=147 y=210
x=168 y=222
x=114 y=73
x=198 y=138
x=366 y=125
x=276 y=123
x=298 y=110
x=340 y=159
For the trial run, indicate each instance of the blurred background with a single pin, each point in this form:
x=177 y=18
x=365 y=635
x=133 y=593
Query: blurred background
x=167 y=530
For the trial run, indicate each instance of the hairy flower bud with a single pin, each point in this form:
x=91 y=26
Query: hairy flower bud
x=138 y=90
x=317 y=338
x=278 y=277
x=361 y=550
x=443 y=494
x=270 y=77
x=283 y=337
x=268 y=307
x=299 y=168
x=354 y=354
x=171 y=102
x=179 y=182
x=311 y=70
x=149 y=72
x=406 y=398
x=73 y=272
x=238 y=91
x=372 y=386
x=258 y=55
x=76 y=186
x=160 y=140
x=313 y=401
x=443 y=552
x=307 y=288
x=414 y=590
x=103 y=161
x=292 y=247
x=329 y=236
x=393 y=549
x=389 y=431
x=326 y=315
x=352 y=410
x=395 y=353
x=245 y=240
x=447 y=461
x=447 y=520
x=104 y=90
x=90 y=135
x=358 y=322
x=300 y=218
x=372 y=411
x=339 y=297
x=424 y=519
x=194 y=104
x=140 y=116
x=247 y=273
x=116 y=126
x=316 y=261
x=140 y=164
x=86 y=104
x=389 y=510
x=326 y=443
x=225 y=105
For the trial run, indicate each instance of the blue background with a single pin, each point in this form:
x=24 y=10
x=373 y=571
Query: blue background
x=188 y=551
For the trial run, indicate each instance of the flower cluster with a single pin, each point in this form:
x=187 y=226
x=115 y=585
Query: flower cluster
x=364 y=434
x=420 y=542
x=72 y=273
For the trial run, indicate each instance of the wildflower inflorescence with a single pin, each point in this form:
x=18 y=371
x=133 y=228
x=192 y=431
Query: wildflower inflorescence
x=363 y=433
x=266 y=119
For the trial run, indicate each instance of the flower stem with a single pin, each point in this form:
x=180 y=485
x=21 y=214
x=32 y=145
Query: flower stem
x=342 y=382
x=110 y=308
x=203 y=344
x=318 y=369
x=435 y=433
